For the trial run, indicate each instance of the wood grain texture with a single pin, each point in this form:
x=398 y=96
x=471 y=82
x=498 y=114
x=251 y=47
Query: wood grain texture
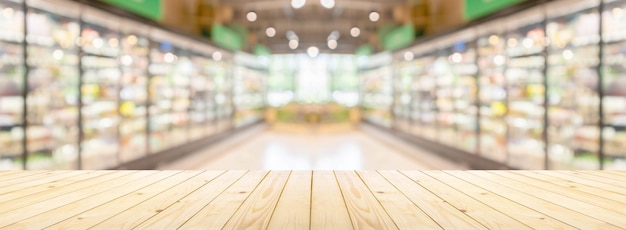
x=364 y=209
x=404 y=213
x=53 y=216
x=256 y=211
x=483 y=214
x=447 y=216
x=287 y=215
x=313 y=200
x=99 y=214
x=138 y=214
x=217 y=213
x=596 y=207
x=513 y=208
x=566 y=215
x=325 y=193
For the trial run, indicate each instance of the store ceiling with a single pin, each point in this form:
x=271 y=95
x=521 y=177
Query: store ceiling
x=312 y=23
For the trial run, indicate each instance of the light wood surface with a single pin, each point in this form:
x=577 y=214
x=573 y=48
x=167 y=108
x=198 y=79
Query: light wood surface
x=312 y=199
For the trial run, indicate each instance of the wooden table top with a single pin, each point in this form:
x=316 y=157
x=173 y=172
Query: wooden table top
x=312 y=199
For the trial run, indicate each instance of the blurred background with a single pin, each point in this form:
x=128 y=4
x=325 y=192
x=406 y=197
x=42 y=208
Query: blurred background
x=312 y=84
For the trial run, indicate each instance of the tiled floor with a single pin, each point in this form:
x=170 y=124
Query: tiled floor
x=361 y=148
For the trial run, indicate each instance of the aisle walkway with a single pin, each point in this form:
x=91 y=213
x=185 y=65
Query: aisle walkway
x=265 y=148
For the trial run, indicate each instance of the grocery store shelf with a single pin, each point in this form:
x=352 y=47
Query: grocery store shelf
x=313 y=199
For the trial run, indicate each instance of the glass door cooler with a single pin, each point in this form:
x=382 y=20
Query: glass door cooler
x=377 y=94
x=526 y=91
x=101 y=75
x=614 y=84
x=133 y=93
x=425 y=83
x=180 y=80
x=465 y=92
x=492 y=94
x=445 y=85
x=573 y=81
x=11 y=84
x=403 y=77
x=223 y=96
x=53 y=83
x=202 y=94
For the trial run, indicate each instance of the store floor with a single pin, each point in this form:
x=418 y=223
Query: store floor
x=304 y=148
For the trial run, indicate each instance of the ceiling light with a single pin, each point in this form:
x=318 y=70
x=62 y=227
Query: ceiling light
x=408 y=56
x=328 y=4
x=313 y=51
x=297 y=4
x=355 y=32
x=374 y=16
x=270 y=32
x=293 y=44
x=217 y=56
x=251 y=16
x=332 y=44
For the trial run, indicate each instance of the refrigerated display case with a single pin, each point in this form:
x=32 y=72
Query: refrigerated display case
x=614 y=84
x=202 y=108
x=572 y=85
x=133 y=106
x=525 y=79
x=403 y=77
x=223 y=96
x=465 y=91
x=248 y=99
x=445 y=84
x=11 y=84
x=179 y=81
x=425 y=87
x=53 y=82
x=377 y=95
x=100 y=86
x=492 y=94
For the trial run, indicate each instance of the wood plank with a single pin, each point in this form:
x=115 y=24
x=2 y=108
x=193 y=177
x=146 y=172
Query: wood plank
x=99 y=214
x=325 y=193
x=566 y=215
x=483 y=214
x=293 y=210
x=132 y=217
x=25 y=212
x=438 y=209
x=617 y=174
x=515 y=209
x=585 y=181
x=49 y=181
x=18 y=179
x=257 y=210
x=7 y=175
x=600 y=208
x=402 y=211
x=365 y=211
x=578 y=186
x=600 y=176
x=45 y=193
x=53 y=216
x=217 y=213
x=177 y=214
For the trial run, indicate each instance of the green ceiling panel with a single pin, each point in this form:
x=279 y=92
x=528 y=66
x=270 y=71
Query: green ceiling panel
x=399 y=37
x=477 y=8
x=226 y=37
x=151 y=9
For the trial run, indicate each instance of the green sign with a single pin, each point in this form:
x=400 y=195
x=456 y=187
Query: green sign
x=399 y=37
x=226 y=37
x=477 y=8
x=364 y=50
x=261 y=50
x=151 y=9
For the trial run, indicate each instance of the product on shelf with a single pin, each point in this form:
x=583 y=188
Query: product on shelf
x=133 y=92
x=101 y=77
x=202 y=90
x=53 y=82
x=465 y=92
x=424 y=86
x=573 y=99
x=11 y=85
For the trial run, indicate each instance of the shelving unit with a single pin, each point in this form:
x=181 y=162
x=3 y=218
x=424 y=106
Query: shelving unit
x=133 y=107
x=202 y=108
x=53 y=80
x=402 y=82
x=11 y=84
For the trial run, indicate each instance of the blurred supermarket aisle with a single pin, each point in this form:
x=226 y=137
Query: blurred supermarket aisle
x=270 y=149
